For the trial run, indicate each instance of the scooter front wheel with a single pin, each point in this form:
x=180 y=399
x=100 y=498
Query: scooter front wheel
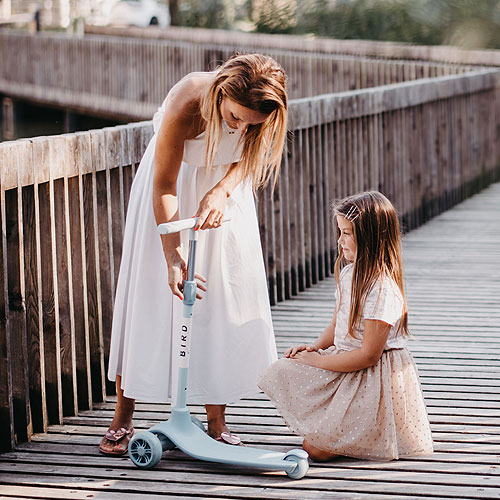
x=301 y=469
x=145 y=450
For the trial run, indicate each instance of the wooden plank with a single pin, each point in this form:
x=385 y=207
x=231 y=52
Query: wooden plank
x=80 y=295
x=14 y=491
x=462 y=400
x=15 y=295
x=50 y=328
x=271 y=485
x=69 y=356
x=92 y=287
x=7 y=440
x=61 y=163
x=33 y=298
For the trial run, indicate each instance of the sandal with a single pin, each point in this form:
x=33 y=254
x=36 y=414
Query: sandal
x=228 y=438
x=116 y=436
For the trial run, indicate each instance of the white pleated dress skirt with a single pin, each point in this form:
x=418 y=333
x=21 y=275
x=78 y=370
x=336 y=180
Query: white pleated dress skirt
x=232 y=336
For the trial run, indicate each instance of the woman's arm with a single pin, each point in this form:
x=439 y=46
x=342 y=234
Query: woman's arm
x=178 y=124
x=374 y=339
x=213 y=204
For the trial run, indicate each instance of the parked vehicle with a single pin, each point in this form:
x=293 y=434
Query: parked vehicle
x=131 y=13
x=140 y=13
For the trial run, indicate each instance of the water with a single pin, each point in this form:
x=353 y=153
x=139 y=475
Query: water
x=22 y=119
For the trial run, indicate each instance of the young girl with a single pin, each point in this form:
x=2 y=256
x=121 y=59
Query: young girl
x=355 y=390
x=219 y=135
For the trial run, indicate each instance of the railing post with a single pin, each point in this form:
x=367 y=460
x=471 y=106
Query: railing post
x=8 y=119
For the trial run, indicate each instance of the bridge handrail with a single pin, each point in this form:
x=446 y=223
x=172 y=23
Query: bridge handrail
x=427 y=144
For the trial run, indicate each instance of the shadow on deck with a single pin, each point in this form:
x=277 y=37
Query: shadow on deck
x=452 y=269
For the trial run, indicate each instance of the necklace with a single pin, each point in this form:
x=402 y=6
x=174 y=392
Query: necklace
x=229 y=129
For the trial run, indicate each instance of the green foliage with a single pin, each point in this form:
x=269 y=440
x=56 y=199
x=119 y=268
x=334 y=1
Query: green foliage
x=275 y=16
x=205 y=13
x=466 y=23
x=368 y=19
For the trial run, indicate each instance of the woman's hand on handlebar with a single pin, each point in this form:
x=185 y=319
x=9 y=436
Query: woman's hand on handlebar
x=177 y=273
x=211 y=209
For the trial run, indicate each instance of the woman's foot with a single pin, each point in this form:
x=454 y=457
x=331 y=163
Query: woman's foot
x=229 y=438
x=317 y=454
x=120 y=431
x=217 y=428
x=115 y=442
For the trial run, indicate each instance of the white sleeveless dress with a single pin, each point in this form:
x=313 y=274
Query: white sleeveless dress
x=233 y=339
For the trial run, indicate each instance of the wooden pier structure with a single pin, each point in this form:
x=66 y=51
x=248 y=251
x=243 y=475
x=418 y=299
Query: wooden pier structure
x=422 y=125
x=452 y=266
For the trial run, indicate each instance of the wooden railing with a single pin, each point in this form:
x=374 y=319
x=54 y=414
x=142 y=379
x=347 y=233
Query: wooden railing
x=427 y=144
x=128 y=78
x=261 y=41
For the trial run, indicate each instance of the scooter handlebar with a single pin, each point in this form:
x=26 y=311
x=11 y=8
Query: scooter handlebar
x=176 y=225
x=179 y=225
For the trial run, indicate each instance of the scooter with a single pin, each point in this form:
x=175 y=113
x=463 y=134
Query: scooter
x=188 y=433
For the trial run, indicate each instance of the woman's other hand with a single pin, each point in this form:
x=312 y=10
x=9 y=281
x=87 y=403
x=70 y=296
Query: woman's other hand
x=292 y=351
x=177 y=273
x=211 y=209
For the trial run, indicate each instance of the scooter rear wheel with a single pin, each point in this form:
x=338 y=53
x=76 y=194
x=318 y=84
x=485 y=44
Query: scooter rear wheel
x=198 y=423
x=166 y=444
x=145 y=450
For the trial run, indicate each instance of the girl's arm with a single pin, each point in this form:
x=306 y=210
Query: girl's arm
x=374 y=339
x=324 y=341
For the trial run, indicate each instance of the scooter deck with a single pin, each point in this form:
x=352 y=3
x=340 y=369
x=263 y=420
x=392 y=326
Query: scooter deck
x=195 y=442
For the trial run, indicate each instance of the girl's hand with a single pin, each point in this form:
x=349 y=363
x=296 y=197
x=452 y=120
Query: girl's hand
x=310 y=358
x=292 y=351
x=177 y=273
x=211 y=209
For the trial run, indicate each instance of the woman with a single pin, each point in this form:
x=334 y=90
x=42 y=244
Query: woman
x=218 y=137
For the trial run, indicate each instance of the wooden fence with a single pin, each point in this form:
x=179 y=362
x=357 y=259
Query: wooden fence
x=261 y=41
x=426 y=144
x=128 y=78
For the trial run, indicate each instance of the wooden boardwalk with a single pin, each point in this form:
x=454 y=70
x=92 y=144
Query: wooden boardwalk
x=453 y=279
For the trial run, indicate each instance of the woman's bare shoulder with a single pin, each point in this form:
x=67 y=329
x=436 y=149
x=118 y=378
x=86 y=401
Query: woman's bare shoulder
x=182 y=105
x=188 y=91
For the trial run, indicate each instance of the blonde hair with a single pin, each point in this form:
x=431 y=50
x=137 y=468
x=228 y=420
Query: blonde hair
x=256 y=82
x=378 y=239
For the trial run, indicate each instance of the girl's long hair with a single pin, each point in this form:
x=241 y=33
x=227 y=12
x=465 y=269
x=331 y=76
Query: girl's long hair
x=378 y=238
x=256 y=82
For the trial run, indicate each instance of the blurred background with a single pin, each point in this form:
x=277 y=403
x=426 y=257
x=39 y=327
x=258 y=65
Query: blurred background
x=471 y=24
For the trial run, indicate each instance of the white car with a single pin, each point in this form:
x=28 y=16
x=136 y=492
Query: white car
x=139 y=13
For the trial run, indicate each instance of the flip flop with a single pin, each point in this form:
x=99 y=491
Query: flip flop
x=116 y=436
x=228 y=438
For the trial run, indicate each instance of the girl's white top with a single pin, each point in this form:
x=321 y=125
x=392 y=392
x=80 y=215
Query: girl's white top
x=384 y=303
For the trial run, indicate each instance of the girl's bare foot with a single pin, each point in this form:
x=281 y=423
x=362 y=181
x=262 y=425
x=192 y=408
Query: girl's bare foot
x=317 y=454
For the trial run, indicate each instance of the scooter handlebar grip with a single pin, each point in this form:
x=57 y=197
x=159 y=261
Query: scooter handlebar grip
x=176 y=225
x=179 y=225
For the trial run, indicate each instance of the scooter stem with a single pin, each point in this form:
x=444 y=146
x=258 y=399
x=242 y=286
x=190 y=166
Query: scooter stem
x=189 y=292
